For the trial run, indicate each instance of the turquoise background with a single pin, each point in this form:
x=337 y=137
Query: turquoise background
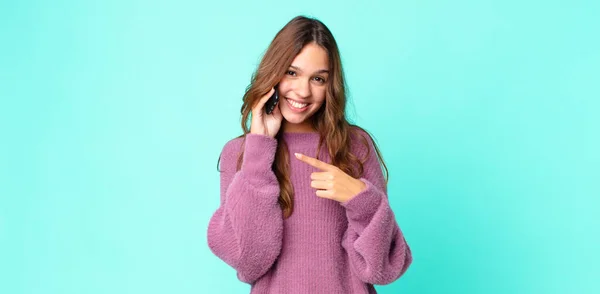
x=113 y=114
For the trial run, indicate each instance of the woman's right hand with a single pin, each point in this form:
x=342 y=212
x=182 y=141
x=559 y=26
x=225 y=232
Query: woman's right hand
x=263 y=123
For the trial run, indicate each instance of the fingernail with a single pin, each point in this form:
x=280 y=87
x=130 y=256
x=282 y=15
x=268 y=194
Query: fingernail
x=297 y=155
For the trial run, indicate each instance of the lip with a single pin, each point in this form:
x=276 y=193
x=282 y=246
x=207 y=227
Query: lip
x=293 y=108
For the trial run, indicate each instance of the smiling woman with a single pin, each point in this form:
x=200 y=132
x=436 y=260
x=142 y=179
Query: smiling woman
x=303 y=88
x=319 y=224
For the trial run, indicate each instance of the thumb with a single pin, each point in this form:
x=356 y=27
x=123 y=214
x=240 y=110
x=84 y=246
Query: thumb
x=277 y=112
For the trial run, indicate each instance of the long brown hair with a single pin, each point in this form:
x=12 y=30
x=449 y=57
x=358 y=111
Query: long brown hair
x=329 y=121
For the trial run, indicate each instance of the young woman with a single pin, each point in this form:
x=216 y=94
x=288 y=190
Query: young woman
x=318 y=221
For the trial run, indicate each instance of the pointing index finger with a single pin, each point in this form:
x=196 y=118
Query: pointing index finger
x=315 y=162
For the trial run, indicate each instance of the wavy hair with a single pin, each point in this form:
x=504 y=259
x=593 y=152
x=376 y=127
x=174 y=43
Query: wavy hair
x=329 y=121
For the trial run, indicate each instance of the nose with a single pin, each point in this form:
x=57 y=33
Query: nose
x=302 y=88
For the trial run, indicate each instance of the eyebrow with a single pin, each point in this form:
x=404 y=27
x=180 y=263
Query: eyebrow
x=318 y=72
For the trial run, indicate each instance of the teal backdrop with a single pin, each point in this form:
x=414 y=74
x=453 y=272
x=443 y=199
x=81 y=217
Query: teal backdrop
x=113 y=114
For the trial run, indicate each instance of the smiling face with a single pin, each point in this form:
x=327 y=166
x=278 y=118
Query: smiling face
x=302 y=89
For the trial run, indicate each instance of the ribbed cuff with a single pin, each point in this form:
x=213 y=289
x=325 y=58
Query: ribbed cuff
x=363 y=206
x=259 y=153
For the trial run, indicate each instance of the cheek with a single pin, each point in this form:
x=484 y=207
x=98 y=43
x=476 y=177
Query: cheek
x=320 y=96
x=283 y=86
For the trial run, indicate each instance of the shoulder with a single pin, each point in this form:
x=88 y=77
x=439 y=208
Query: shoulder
x=361 y=141
x=359 y=133
x=230 y=153
x=233 y=145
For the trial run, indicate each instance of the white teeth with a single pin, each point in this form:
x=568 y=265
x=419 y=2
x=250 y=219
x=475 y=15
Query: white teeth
x=296 y=104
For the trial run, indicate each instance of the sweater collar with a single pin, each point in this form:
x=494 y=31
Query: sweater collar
x=303 y=138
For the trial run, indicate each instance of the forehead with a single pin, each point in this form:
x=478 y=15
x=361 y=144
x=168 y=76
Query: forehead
x=312 y=58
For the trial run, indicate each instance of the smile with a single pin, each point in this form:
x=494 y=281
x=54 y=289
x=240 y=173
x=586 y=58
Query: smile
x=296 y=106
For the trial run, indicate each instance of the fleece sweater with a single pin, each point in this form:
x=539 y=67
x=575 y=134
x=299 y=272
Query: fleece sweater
x=325 y=246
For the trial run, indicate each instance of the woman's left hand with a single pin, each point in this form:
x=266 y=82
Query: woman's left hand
x=332 y=183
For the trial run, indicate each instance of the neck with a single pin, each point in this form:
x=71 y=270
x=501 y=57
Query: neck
x=304 y=127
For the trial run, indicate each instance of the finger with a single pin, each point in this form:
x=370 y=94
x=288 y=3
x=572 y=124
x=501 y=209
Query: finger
x=321 y=185
x=322 y=176
x=263 y=100
x=315 y=162
x=325 y=194
x=277 y=112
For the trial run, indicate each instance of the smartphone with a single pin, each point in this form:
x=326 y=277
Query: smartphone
x=272 y=102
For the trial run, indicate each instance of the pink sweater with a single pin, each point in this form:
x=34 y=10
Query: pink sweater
x=325 y=246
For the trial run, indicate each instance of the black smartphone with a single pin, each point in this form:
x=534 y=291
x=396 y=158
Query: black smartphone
x=272 y=102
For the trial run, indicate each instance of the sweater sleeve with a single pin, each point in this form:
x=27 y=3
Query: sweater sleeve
x=376 y=247
x=246 y=230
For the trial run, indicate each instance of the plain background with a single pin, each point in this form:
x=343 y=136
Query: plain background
x=113 y=114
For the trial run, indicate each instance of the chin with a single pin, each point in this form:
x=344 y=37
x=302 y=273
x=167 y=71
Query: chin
x=293 y=119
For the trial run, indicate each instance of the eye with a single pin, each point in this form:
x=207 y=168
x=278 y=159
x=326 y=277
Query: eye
x=320 y=80
x=291 y=72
